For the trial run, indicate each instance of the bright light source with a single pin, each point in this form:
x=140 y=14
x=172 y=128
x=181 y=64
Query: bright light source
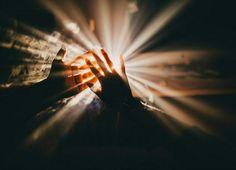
x=73 y=27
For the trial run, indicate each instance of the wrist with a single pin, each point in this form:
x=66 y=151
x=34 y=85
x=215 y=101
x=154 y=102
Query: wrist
x=126 y=105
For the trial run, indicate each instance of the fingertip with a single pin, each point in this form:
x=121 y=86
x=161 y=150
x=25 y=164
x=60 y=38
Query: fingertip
x=62 y=53
x=78 y=79
x=103 y=51
x=86 y=60
x=94 y=71
x=108 y=60
x=122 y=62
x=122 y=58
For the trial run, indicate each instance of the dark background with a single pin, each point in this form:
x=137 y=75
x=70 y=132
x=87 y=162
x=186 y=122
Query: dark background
x=208 y=24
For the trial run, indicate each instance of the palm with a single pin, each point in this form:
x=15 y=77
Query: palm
x=65 y=81
x=115 y=89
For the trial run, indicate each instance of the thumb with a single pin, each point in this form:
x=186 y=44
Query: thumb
x=61 y=54
x=122 y=68
x=58 y=61
x=58 y=67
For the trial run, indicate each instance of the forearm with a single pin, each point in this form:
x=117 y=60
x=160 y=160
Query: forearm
x=134 y=110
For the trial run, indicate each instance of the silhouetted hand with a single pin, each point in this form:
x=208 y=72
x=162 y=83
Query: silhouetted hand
x=65 y=78
x=63 y=81
x=115 y=89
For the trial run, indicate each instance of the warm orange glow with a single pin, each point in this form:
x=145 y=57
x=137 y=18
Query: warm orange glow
x=152 y=75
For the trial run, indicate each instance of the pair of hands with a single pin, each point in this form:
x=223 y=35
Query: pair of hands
x=114 y=86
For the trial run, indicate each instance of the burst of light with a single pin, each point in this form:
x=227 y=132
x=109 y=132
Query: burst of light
x=73 y=27
x=151 y=75
x=63 y=120
x=156 y=25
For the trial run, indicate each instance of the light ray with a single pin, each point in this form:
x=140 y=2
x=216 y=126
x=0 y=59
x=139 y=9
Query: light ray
x=171 y=57
x=151 y=74
x=159 y=22
x=63 y=121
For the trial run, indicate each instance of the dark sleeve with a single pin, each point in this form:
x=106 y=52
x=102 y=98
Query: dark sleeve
x=135 y=111
x=20 y=105
x=29 y=98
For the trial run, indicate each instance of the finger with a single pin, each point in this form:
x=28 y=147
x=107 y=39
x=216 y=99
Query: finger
x=122 y=65
x=80 y=70
x=87 y=75
x=57 y=63
x=91 y=82
x=82 y=87
x=79 y=81
x=100 y=63
x=58 y=73
x=85 y=69
x=95 y=64
x=82 y=78
x=61 y=54
x=80 y=57
x=108 y=60
x=85 y=66
x=94 y=70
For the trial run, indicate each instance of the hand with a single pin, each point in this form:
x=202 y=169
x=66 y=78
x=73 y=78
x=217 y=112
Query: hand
x=65 y=78
x=115 y=88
